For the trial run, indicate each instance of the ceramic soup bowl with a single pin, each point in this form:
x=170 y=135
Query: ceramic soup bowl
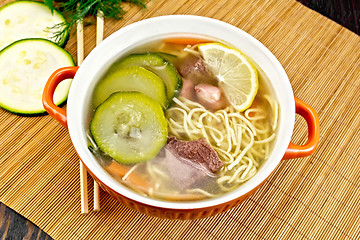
x=76 y=117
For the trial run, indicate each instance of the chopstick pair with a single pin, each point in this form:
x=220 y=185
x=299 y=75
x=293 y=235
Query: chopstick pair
x=80 y=58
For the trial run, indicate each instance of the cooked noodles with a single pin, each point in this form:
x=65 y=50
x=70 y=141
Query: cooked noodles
x=241 y=139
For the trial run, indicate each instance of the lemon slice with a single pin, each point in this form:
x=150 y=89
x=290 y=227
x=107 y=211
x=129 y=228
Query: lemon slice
x=238 y=78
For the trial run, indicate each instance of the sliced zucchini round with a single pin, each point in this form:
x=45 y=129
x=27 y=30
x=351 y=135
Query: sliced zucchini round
x=25 y=67
x=132 y=78
x=130 y=127
x=158 y=65
x=168 y=57
x=29 y=19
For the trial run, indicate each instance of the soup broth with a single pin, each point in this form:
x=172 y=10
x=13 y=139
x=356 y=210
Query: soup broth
x=201 y=123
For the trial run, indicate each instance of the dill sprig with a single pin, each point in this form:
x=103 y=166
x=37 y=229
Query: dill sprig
x=76 y=10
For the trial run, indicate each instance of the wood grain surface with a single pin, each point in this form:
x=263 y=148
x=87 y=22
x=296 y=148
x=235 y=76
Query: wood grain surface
x=345 y=12
x=312 y=198
x=15 y=226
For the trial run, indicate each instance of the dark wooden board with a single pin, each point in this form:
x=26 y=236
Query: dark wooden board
x=344 y=12
x=14 y=226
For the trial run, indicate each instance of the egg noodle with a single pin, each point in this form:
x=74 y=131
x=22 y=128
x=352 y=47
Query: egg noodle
x=241 y=139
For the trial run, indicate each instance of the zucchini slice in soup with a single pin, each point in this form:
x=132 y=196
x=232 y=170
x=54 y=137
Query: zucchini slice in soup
x=168 y=57
x=130 y=127
x=29 y=19
x=128 y=79
x=158 y=65
x=25 y=67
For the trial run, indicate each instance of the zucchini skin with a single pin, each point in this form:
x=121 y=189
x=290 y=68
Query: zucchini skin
x=42 y=39
x=43 y=112
x=115 y=115
x=173 y=81
x=23 y=114
x=67 y=34
x=132 y=78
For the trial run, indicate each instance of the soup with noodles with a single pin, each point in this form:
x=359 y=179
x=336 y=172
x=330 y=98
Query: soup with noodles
x=183 y=119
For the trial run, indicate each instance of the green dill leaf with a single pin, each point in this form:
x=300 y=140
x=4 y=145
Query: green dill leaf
x=140 y=3
x=50 y=5
x=76 y=10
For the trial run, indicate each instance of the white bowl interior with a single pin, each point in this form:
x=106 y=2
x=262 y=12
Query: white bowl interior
x=122 y=41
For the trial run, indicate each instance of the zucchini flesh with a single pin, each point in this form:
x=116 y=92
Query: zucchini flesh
x=158 y=65
x=130 y=127
x=29 y=19
x=127 y=79
x=25 y=67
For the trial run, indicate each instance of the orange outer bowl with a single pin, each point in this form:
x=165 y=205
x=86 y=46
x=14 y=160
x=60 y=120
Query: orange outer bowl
x=79 y=110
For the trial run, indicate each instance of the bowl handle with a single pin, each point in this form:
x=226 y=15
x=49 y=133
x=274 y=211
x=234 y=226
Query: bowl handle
x=48 y=95
x=312 y=120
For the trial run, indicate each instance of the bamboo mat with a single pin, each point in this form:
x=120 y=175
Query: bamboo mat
x=317 y=197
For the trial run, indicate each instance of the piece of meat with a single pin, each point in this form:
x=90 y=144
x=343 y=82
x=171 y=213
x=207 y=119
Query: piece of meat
x=194 y=69
x=210 y=96
x=188 y=90
x=199 y=152
x=185 y=173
